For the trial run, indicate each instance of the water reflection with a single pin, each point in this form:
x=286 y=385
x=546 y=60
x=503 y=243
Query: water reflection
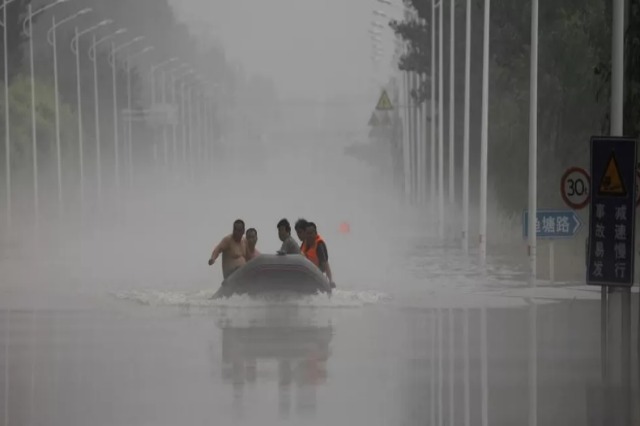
x=277 y=348
x=536 y=365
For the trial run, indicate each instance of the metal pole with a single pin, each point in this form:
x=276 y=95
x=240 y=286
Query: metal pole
x=183 y=101
x=34 y=135
x=617 y=129
x=533 y=143
x=465 y=160
x=97 y=122
x=440 y=125
x=174 y=125
x=80 y=130
x=165 y=139
x=414 y=140
x=433 y=104
x=485 y=135
x=7 y=120
x=406 y=140
x=57 y=117
x=130 y=126
x=424 y=108
x=190 y=129
x=452 y=103
x=115 y=121
x=617 y=70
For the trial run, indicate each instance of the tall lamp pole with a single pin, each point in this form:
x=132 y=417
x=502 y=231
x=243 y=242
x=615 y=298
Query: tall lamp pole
x=75 y=49
x=51 y=38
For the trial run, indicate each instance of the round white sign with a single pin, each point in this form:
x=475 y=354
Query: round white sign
x=575 y=187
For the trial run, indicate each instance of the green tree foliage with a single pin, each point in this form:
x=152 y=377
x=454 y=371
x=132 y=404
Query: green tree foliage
x=21 y=125
x=574 y=38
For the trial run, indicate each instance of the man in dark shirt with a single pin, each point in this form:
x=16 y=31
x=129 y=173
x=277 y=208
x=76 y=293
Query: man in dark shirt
x=289 y=246
x=301 y=226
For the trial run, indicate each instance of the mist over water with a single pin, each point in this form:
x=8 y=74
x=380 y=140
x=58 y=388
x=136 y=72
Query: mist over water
x=107 y=317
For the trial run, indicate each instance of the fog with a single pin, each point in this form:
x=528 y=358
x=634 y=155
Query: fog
x=106 y=308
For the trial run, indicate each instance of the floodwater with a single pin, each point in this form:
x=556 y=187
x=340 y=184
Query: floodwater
x=416 y=334
x=461 y=357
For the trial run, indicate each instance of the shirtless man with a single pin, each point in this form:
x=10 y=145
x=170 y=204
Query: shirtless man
x=252 y=240
x=233 y=248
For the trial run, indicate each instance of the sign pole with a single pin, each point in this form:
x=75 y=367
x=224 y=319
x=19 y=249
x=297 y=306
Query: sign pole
x=533 y=146
x=611 y=253
x=551 y=263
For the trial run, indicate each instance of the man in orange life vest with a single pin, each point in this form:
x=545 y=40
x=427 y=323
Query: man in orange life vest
x=315 y=249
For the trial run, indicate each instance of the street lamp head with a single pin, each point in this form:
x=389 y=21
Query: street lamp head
x=104 y=22
x=137 y=39
x=84 y=11
x=120 y=31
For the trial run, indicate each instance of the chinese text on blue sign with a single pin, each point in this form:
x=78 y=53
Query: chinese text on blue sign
x=553 y=224
x=612 y=218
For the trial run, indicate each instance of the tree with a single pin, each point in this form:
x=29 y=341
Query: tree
x=571 y=42
x=16 y=14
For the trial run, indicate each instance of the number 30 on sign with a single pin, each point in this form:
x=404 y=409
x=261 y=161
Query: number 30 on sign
x=574 y=187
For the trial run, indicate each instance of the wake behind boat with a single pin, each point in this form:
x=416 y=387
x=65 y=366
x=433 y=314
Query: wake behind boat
x=275 y=274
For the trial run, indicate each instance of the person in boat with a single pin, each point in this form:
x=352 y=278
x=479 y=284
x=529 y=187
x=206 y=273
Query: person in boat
x=252 y=240
x=289 y=246
x=300 y=227
x=233 y=248
x=315 y=249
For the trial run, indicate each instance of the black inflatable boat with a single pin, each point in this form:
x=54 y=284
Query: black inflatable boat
x=290 y=274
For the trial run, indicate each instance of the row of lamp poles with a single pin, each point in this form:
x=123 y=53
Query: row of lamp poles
x=436 y=131
x=75 y=44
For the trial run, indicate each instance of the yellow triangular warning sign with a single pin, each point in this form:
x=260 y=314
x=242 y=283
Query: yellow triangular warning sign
x=611 y=182
x=384 y=103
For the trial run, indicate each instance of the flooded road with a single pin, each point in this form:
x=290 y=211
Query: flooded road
x=490 y=355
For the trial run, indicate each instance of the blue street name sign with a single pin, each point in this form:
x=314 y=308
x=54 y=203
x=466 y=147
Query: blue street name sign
x=610 y=252
x=553 y=224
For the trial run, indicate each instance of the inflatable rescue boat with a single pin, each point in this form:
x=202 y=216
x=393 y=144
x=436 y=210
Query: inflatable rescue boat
x=275 y=274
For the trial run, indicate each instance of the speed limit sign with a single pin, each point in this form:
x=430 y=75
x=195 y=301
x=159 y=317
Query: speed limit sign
x=574 y=187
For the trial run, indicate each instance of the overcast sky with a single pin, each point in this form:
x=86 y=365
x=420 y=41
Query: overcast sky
x=311 y=48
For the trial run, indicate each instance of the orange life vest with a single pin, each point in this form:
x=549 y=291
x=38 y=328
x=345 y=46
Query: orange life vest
x=312 y=252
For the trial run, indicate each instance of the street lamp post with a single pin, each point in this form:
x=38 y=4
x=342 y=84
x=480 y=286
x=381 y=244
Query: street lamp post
x=440 y=123
x=93 y=56
x=116 y=142
x=27 y=29
x=434 y=123
x=153 y=70
x=183 y=116
x=75 y=48
x=452 y=111
x=465 y=160
x=51 y=38
x=484 y=135
x=174 y=127
x=129 y=59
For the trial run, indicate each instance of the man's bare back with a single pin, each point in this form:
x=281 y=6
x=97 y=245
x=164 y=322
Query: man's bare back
x=233 y=248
